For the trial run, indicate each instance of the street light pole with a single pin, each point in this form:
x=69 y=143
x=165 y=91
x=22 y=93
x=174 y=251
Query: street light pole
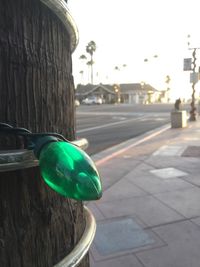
x=117 y=92
x=193 y=108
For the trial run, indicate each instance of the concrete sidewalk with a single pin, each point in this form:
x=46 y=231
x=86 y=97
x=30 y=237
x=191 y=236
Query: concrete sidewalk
x=149 y=215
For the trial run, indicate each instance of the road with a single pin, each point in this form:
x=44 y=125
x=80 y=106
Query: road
x=107 y=125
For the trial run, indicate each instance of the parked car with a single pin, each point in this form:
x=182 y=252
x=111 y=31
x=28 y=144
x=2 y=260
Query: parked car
x=77 y=103
x=92 y=100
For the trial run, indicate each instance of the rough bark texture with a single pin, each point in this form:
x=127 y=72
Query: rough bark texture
x=37 y=226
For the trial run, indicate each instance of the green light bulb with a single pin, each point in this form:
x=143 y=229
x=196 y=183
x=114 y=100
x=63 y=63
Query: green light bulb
x=69 y=171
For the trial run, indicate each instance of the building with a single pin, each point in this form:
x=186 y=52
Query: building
x=132 y=93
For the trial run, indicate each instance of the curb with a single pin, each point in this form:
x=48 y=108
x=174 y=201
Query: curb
x=114 y=151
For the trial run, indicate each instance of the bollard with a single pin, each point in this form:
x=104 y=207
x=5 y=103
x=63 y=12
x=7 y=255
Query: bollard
x=179 y=119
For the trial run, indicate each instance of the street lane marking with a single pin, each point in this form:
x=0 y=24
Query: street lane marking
x=109 y=124
x=118 y=118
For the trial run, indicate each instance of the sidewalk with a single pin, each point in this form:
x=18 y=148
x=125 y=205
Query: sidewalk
x=149 y=215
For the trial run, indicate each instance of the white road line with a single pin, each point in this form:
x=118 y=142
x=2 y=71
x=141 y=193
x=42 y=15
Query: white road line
x=109 y=124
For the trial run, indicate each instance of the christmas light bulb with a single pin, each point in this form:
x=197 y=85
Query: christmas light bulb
x=69 y=171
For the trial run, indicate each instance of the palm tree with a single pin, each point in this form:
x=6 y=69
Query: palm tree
x=116 y=68
x=81 y=73
x=188 y=43
x=90 y=64
x=83 y=58
x=167 y=81
x=124 y=66
x=90 y=49
x=37 y=93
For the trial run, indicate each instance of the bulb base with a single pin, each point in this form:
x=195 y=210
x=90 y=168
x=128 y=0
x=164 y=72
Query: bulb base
x=41 y=142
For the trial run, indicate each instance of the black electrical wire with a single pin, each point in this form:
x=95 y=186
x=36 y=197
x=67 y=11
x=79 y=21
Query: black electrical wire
x=8 y=129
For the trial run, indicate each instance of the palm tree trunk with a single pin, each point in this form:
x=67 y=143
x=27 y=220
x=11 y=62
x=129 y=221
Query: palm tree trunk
x=37 y=226
x=91 y=69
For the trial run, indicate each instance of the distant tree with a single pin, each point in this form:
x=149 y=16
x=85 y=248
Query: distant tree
x=83 y=57
x=116 y=68
x=147 y=60
x=188 y=43
x=90 y=62
x=81 y=73
x=167 y=79
x=90 y=49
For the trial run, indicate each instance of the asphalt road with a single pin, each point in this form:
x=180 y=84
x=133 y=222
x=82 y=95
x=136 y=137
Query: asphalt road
x=107 y=125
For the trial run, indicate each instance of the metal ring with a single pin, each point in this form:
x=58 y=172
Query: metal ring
x=82 y=143
x=59 y=7
x=80 y=250
x=11 y=160
x=20 y=159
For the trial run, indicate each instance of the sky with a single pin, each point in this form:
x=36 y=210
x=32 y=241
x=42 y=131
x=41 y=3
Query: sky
x=127 y=32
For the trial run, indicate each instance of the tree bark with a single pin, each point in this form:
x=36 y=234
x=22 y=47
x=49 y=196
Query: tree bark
x=38 y=228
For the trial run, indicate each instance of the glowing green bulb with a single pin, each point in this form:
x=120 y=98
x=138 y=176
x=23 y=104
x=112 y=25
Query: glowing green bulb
x=69 y=171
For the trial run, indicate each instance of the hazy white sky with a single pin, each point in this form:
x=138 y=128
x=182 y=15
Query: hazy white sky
x=127 y=32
